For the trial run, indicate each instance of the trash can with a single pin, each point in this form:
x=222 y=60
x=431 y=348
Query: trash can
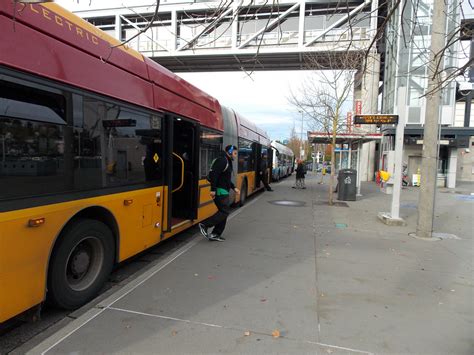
x=347 y=185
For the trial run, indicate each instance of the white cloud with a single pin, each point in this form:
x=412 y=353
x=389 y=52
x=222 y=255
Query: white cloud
x=263 y=99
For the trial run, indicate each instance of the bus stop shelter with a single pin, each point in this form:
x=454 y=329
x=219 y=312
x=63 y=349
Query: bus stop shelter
x=350 y=144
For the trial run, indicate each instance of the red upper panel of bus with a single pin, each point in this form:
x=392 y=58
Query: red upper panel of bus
x=51 y=42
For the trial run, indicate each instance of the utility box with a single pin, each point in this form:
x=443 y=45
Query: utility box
x=347 y=185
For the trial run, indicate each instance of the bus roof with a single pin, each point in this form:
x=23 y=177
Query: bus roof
x=283 y=149
x=47 y=40
x=250 y=131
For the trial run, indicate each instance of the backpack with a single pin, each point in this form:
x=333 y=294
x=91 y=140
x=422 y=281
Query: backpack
x=211 y=172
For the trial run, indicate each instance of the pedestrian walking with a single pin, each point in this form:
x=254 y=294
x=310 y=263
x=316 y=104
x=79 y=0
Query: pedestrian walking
x=220 y=177
x=300 y=175
x=263 y=171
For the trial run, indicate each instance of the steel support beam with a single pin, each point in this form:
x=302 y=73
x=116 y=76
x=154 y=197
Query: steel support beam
x=270 y=25
x=339 y=22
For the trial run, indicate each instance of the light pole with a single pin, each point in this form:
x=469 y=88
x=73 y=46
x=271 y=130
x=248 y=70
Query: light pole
x=301 y=142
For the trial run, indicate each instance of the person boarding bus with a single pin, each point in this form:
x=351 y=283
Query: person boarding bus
x=220 y=177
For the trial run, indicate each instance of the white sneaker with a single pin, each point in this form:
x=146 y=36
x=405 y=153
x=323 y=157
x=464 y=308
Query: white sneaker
x=216 y=238
x=203 y=230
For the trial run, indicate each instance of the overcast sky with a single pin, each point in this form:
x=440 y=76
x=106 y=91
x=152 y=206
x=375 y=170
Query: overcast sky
x=261 y=98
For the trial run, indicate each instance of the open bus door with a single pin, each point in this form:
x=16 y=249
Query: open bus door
x=258 y=166
x=182 y=172
x=269 y=163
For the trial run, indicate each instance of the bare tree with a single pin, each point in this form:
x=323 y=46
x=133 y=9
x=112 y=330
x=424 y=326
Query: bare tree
x=325 y=98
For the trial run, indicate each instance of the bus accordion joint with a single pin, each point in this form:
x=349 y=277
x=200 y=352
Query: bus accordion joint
x=36 y=222
x=127 y=202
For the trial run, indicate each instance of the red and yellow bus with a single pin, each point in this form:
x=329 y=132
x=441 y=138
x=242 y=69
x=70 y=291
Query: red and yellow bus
x=104 y=153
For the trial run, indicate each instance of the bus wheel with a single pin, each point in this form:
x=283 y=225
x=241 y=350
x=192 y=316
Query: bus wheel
x=80 y=263
x=243 y=193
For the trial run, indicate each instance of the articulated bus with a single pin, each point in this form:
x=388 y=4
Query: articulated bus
x=283 y=161
x=104 y=153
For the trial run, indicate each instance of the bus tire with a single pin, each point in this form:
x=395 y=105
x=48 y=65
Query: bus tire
x=243 y=193
x=80 y=264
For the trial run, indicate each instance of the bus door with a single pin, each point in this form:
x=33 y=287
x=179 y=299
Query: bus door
x=269 y=163
x=152 y=162
x=258 y=167
x=182 y=172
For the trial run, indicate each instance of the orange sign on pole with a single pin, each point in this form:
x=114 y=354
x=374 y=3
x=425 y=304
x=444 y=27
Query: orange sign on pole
x=358 y=109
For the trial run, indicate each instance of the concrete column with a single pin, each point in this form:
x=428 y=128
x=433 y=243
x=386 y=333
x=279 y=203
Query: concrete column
x=301 y=24
x=452 y=166
x=340 y=157
x=358 y=168
x=397 y=178
x=235 y=24
x=174 y=30
x=350 y=156
x=118 y=27
x=369 y=96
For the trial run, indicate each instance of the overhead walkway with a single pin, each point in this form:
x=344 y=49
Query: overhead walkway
x=230 y=35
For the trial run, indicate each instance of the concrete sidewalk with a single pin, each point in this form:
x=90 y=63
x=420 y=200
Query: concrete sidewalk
x=298 y=279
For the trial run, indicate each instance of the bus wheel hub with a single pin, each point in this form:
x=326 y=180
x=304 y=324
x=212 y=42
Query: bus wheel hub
x=80 y=263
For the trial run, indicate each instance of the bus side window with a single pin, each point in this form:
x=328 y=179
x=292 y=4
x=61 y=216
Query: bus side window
x=34 y=140
x=211 y=146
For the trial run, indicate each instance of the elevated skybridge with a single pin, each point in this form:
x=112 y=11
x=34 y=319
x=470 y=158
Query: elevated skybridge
x=239 y=35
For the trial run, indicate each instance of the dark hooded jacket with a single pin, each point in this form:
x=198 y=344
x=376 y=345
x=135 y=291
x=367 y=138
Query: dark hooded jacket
x=300 y=171
x=222 y=177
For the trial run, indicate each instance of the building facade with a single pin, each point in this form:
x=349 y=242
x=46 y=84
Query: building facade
x=406 y=59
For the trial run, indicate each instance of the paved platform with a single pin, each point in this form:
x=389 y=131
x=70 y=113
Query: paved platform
x=297 y=279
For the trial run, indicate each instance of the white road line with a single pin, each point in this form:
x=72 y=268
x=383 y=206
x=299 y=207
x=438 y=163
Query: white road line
x=165 y=317
x=342 y=348
x=224 y=327
x=150 y=274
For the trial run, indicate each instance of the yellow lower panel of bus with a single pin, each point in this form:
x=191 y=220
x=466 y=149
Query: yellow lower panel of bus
x=250 y=177
x=25 y=251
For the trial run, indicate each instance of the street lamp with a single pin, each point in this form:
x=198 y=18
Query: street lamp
x=301 y=142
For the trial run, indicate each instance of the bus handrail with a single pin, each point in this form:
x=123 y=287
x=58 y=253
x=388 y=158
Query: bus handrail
x=182 y=173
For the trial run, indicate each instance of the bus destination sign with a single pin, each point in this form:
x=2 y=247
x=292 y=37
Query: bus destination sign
x=376 y=119
x=119 y=123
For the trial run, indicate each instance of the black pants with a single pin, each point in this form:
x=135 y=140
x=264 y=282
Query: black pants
x=267 y=186
x=219 y=219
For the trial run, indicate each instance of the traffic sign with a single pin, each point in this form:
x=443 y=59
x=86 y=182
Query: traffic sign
x=376 y=119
